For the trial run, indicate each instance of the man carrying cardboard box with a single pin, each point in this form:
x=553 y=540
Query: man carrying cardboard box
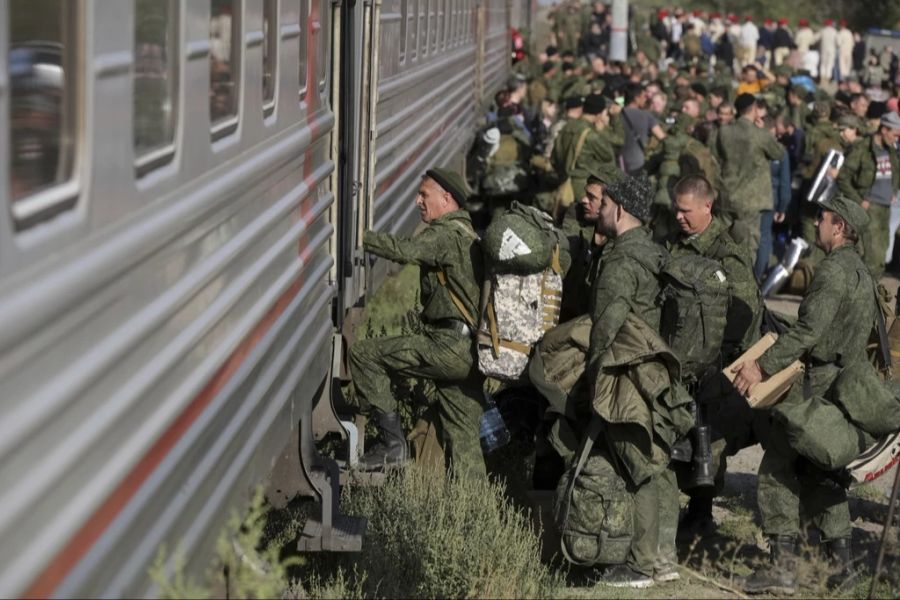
x=834 y=322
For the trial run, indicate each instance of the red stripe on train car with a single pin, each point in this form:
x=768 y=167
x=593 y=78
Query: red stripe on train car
x=63 y=562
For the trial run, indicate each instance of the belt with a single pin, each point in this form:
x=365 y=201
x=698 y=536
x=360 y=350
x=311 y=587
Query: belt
x=454 y=325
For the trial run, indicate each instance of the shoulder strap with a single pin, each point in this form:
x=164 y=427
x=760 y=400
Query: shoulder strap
x=444 y=281
x=580 y=146
x=457 y=302
x=883 y=355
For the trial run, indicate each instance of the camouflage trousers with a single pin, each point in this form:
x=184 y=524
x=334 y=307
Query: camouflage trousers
x=655 y=509
x=876 y=238
x=787 y=482
x=446 y=358
x=669 y=509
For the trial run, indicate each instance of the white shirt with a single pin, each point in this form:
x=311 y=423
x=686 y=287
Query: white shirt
x=749 y=34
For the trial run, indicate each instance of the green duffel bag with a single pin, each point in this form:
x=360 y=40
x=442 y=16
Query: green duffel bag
x=594 y=509
x=818 y=430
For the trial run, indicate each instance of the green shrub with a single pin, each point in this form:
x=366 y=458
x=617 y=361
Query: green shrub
x=432 y=537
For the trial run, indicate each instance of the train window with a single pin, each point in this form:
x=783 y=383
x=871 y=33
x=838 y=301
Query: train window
x=270 y=49
x=404 y=8
x=411 y=48
x=224 y=65
x=423 y=27
x=155 y=80
x=433 y=25
x=440 y=38
x=454 y=24
x=324 y=49
x=42 y=107
x=304 y=37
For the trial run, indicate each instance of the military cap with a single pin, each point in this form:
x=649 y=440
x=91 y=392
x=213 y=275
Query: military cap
x=855 y=215
x=573 y=102
x=799 y=90
x=551 y=51
x=850 y=122
x=548 y=66
x=594 y=104
x=633 y=194
x=605 y=174
x=451 y=181
x=890 y=119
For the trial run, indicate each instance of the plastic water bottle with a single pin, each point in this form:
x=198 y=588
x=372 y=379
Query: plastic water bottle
x=494 y=433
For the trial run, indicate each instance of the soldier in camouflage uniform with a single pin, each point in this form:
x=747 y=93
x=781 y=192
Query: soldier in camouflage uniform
x=870 y=176
x=585 y=245
x=681 y=155
x=820 y=137
x=832 y=329
x=627 y=281
x=734 y=423
x=595 y=152
x=744 y=151
x=451 y=272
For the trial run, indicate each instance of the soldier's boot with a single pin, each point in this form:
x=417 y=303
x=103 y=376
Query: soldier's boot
x=840 y=561
x=779 y=577
x=391 y=448
x=697 y=521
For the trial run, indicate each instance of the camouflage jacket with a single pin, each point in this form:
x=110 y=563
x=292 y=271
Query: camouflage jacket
x=744 y=151
x=835 y=317
x=448 y=244
x=627 y=281
x=614 y=133
x=857 y=175
x=585 y=256
x=746 y=305
x=820 y=138
x=594 y=154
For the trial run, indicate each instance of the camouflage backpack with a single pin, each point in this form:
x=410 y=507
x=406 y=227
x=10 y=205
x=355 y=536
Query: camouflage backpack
x=505 y=171
x=694 y=298
x=526 y=258
x=594 y=510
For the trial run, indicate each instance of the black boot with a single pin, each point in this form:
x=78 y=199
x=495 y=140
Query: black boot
x=391 y=448
x=840 y=561
x=697 y=521
x=780 y=576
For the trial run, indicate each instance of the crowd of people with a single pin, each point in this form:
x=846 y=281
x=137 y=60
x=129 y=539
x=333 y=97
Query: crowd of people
x=675 y=179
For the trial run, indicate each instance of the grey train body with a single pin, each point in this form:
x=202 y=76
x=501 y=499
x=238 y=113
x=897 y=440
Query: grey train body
x=182 y=243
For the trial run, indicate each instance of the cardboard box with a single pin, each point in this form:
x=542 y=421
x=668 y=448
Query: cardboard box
x=768 y=391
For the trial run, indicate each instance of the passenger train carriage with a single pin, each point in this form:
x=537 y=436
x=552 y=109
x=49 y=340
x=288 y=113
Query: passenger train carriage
x=186 y=187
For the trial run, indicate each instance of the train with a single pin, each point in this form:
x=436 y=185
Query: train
x=187 y=184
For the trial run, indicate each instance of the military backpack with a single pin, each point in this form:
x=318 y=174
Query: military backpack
x=594 y=509
x=505 y=170
x=526 y=259
x=694 y=298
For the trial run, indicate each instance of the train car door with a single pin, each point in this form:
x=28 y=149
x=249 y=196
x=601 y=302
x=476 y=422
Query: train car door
x=351 y=64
